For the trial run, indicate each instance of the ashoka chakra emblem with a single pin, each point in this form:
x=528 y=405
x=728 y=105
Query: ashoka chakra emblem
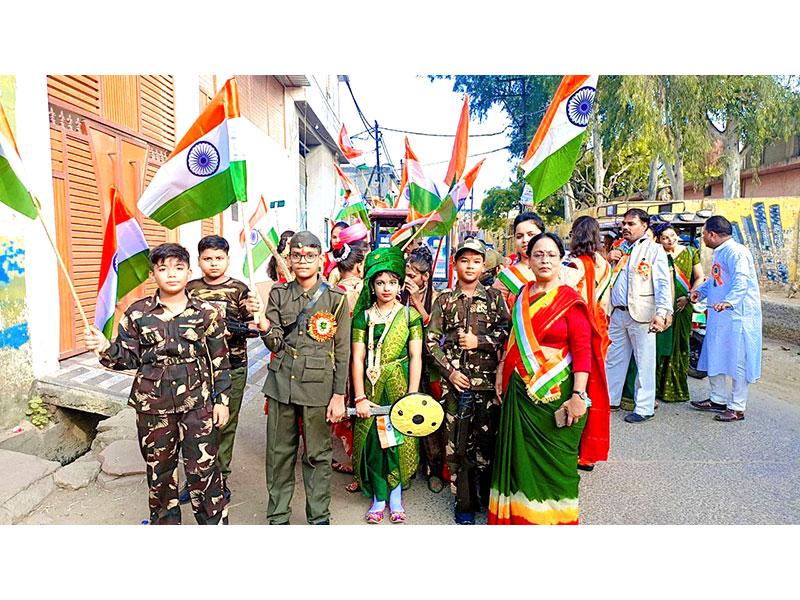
x=579 y=106
x=203 y=159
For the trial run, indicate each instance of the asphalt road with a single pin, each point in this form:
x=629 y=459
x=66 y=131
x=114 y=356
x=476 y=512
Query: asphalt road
x=681 y=467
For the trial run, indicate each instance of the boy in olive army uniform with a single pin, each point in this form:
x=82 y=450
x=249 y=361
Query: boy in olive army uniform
x=229 y=295
x=307 y=327
x=468 y=327
x=177 y=345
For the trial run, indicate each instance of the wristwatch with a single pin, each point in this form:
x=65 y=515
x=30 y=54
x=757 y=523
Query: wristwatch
x=583 y=396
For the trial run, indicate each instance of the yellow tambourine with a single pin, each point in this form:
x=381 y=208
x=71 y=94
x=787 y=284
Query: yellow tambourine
x=417 y=415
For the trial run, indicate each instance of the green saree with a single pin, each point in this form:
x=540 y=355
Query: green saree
x=379 y=470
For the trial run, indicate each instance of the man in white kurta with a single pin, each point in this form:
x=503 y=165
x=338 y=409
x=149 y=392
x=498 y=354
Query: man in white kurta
x=641 y=306
x=732 y=345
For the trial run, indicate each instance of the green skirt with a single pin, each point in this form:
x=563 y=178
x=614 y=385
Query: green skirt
x=535 y=476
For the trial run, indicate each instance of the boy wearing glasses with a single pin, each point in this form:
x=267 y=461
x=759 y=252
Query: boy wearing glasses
x=307 y=327
x=468 y=327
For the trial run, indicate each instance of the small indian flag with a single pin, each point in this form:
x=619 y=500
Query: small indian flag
x=124 y=265
x=260 y=249
x=554 y=150
x=13 y=189
x=206 y=172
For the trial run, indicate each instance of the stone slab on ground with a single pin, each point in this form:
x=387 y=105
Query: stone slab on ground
x=123 y=457
x=109 y=436
x=111 y=482
x=126 y=418
x=28 y=499
x=77 y=475
x=20 y=471
x=78 y=396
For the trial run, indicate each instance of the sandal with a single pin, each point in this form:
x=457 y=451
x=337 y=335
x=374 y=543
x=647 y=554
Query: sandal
x=398 y=516
x=730 y=415
x=435 y=483
x=374 y=518
x=708 y=405
x=342 y=468
x=352 y=487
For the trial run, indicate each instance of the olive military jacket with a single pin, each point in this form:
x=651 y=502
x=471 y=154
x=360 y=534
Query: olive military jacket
x=181 y=363
x=485 y=315
x=303 y=370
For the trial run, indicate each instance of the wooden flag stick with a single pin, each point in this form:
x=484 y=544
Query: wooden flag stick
x=64 y=269
x=278 y=258
x=419 y=230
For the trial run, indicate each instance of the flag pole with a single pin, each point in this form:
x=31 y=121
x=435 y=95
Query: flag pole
x=61 y=264
x=278 y=258
x=419 y=230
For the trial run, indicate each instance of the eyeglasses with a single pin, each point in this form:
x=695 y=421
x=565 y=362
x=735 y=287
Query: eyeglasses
x=299 y=258
x=540 y=256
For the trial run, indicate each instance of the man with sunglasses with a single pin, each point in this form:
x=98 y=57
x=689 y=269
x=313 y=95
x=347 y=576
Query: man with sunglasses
x=307 y=328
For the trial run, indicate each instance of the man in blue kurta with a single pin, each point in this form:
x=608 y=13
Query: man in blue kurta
x=732 y=346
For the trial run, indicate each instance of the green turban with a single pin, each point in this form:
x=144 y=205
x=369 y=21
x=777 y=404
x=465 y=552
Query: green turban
x=383 y=259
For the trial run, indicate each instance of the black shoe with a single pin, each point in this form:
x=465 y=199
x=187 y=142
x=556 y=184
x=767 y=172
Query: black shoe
x=585 y=467
x=634 y=418
x=707 y=404
x=615 y=408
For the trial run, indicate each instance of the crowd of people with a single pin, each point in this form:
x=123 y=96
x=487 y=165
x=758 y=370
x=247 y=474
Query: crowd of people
x=527 y=355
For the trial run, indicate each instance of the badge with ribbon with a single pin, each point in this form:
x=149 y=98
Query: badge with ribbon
x=322 y=326
x=643 y=269
x=716 y=273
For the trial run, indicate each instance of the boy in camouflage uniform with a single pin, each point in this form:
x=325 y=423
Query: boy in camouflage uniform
x=177 y=345
x=306 y=379
x=229 y=295
x=468 y=327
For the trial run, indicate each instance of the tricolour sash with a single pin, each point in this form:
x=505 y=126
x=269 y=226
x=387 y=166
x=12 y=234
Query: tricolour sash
x=515 y=278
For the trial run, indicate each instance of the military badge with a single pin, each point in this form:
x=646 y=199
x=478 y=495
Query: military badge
x=322 y=326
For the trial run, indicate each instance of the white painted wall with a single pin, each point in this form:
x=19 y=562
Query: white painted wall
x=41 y=275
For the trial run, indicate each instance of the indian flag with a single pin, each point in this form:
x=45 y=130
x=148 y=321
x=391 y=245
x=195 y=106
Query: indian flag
x=124 y=265
x=13 y=189
x=261 y=250
x=551 y=157
x=424 y=196
x=349 y=151
x=458 y=160
x=347 y=183
x=206 y=172
x=356 y=210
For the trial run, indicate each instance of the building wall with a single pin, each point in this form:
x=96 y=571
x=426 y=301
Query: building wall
x=321 y=191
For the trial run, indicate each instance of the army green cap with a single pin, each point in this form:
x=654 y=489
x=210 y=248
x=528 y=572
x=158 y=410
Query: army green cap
x=303 y=239
x=473 y=245
x=493 y=259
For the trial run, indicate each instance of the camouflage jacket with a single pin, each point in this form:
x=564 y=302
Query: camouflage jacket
x=229 y=297
x=485 y=315
x=181 y=362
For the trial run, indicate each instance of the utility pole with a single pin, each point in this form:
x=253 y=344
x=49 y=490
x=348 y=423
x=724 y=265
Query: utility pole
x=378 y=158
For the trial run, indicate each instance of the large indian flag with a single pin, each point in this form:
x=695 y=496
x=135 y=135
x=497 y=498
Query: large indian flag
x=206 y=172
x=124 y=265
x=13 y=189
x=551 y=157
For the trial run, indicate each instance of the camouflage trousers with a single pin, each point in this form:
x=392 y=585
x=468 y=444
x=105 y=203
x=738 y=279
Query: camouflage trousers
x=161 y=439
x=471 y=418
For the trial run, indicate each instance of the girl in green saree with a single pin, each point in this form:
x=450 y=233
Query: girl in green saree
x=386 y=365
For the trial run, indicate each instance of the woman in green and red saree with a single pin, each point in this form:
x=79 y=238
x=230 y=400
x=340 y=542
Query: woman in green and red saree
x=672 y=367
x=386 y=364
x=552 y=360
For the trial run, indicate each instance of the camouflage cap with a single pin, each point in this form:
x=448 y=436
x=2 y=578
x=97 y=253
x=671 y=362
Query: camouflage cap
x=493 y=259
x=473 y=245
x=303 y=239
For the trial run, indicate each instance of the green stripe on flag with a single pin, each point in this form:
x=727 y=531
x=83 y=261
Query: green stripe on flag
x=422 y=200
x=260 y=254
x=13 y=192
x=206 y=199
x=555 y=170
x=131 y=272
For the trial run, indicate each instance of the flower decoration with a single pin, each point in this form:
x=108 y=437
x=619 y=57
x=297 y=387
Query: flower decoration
x=322 y=326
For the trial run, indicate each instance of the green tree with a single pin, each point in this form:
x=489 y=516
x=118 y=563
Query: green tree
x=498 y=201
x=745 y=112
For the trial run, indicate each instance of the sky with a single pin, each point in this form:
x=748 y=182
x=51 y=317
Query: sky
x=414 y=103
